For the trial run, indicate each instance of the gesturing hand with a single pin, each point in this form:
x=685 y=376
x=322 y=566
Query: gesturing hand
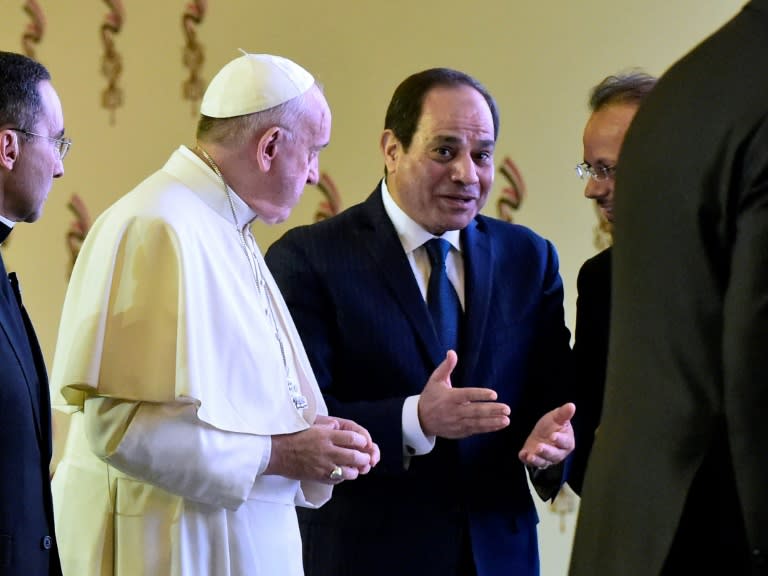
x=458 y=412
x=551 y=439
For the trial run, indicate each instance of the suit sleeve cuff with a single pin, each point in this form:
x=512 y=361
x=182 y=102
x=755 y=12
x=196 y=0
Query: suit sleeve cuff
x=548 y=482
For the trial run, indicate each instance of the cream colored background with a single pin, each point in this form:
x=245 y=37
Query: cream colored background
x=539 y=59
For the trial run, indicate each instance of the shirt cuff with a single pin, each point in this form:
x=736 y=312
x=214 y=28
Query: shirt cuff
x=415 y=442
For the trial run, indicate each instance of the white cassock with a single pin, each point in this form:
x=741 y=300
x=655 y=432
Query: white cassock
x=168 y=361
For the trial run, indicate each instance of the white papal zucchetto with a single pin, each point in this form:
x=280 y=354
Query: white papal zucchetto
x=252 y=83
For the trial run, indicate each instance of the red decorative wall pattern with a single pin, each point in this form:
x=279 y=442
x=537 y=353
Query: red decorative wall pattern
x=514 y=193
x=332 y=203
x=34 y=31
x=78 y=228
x=194 y=53
x=112 y=61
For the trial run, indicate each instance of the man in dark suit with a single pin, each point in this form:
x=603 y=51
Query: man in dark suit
x=450 y=495
x=32 y=149
x=677 y=479
x=613 y=103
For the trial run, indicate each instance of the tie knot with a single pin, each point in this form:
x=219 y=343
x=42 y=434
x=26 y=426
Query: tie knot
x=437 y=249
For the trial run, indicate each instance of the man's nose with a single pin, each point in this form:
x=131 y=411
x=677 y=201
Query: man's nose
x=465 y=170
x=595 y=189
x=59 y=171
x=313 y=177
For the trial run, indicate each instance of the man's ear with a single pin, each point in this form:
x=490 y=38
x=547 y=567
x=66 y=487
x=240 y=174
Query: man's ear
x=391 y=148
x=266 y=147
x=9 y=148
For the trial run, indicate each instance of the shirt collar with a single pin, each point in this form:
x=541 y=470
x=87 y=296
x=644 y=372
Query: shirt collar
x=412 y=234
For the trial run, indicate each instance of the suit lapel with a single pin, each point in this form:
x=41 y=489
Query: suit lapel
x=10 y=318
x=380 y=239
x=478 y=282
x=12 y=322
x=10 y=326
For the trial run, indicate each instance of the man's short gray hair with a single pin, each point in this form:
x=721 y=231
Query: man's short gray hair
x=237 y=130
x=630 y=87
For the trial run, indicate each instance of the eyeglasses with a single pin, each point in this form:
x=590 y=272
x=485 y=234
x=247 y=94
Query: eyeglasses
x=597 y=173
x=62 y=144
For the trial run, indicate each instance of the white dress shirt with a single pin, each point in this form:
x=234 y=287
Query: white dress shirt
x=413 y=236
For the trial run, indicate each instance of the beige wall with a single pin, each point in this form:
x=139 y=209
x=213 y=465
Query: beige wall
x=538 y=58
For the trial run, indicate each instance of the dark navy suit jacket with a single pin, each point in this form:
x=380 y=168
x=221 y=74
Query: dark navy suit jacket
x=27 y=542
x=369 y=336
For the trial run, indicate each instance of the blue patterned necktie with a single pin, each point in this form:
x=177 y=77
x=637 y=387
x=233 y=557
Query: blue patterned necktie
x=442 y=300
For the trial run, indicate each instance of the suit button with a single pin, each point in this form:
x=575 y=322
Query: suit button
x=46 y=543
x=759 y=560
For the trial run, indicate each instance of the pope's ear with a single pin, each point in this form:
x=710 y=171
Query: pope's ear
x=9 y=148
x=391 y=148
x=266 y=147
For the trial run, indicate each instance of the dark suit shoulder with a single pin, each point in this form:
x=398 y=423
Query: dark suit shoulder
x=506 y=229
x=596 y=269
x=516 y=241
x=335 y=227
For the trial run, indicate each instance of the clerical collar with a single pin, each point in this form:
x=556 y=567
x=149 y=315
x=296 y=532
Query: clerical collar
x=5 y=228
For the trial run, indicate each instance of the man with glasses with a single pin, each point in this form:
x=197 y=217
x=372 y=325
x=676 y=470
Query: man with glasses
x=613 y=103
x=61 y=145
x=677 y=481
x=32 y=148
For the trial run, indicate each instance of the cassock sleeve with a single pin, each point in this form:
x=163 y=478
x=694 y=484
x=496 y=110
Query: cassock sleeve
x=168 y=446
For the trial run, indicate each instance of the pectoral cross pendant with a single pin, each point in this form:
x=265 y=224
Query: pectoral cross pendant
x=299 y=400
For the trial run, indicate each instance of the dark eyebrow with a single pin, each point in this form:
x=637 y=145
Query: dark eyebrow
x=440 y=139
